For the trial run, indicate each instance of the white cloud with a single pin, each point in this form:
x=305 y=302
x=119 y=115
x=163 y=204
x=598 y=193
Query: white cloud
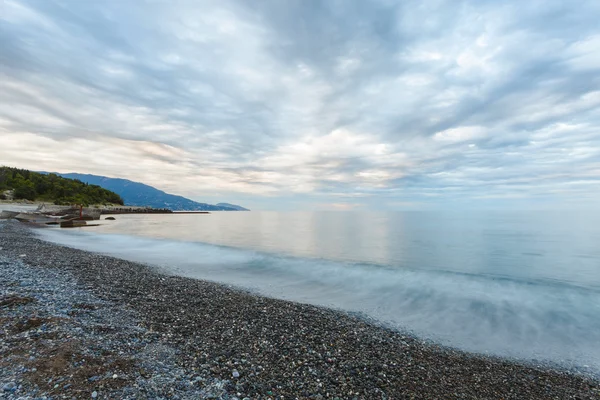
x=460 y=134
x=585 y=54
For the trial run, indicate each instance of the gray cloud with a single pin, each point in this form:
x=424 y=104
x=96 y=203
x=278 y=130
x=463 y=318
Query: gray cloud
x=390 y=102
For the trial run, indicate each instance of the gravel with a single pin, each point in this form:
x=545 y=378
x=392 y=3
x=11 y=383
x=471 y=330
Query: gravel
x=75 y=324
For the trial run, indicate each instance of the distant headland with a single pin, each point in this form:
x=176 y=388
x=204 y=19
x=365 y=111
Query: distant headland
x=142 y=195
x=82 y=189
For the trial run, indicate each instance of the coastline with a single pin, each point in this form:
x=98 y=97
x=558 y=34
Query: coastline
x=227 y=342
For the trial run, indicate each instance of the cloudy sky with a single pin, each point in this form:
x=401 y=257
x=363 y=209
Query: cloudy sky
x=310 y=104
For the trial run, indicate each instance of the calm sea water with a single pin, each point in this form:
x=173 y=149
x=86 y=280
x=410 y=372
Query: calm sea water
x=524 y=285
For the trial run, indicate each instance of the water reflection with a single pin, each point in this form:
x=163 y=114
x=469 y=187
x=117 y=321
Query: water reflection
x=525 y=245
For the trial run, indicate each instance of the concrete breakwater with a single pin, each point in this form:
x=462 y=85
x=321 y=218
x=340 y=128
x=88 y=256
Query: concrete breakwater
x=135 y=210
x=70 y=212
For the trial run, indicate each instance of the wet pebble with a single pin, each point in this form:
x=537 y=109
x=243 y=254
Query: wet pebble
x=9 y=387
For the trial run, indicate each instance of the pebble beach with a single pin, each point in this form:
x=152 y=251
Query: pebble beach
x=75 y=324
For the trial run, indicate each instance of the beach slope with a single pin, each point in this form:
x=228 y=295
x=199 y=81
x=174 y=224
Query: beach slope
x=125 y=330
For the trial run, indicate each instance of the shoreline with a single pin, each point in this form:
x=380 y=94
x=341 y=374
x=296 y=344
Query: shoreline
x=241 y=345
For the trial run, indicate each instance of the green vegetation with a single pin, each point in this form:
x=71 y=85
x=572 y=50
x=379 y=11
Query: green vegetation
x=53 y=188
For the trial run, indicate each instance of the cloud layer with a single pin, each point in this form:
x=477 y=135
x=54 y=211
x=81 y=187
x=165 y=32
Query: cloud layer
x=335 y=104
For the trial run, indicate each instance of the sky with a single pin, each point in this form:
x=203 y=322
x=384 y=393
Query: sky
x=331 y=104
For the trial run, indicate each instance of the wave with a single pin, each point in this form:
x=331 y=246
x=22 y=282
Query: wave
x=526 y=319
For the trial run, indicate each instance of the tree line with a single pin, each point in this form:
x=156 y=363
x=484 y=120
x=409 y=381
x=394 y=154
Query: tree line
x=32 y=186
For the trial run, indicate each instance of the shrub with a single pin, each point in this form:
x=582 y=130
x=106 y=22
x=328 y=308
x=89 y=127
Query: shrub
x=25 y=192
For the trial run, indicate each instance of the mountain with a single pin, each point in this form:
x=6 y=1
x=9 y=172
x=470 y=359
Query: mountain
x=237 y=208
x=139 y=194
x=29 y=185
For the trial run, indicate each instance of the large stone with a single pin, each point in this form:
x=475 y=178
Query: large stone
x=10 y=387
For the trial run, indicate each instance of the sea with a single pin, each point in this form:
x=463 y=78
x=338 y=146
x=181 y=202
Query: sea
x=520 y=285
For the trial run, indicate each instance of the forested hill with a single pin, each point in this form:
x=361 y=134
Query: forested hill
x=31 y=185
